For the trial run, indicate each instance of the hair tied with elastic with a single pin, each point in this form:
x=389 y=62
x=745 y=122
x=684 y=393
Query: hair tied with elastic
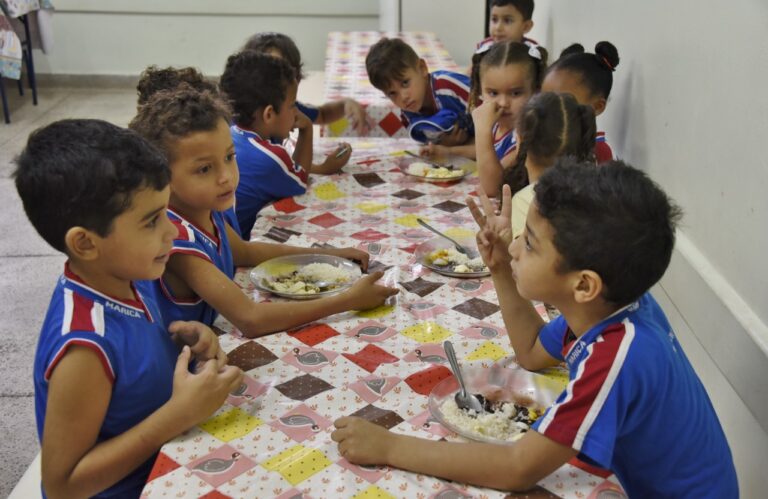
x=533 y=51
x=607 y=64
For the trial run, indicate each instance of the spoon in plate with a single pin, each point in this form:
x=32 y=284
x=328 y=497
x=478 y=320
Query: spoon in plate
x=464 y=400
x=459 y=248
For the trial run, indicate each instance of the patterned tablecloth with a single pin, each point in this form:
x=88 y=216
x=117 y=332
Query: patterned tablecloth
x=272 y=438
x=10 y=44
x=345 y=76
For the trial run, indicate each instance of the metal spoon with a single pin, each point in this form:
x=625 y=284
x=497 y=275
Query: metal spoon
x=459 y=248
x=464 y=400
x=433 y=163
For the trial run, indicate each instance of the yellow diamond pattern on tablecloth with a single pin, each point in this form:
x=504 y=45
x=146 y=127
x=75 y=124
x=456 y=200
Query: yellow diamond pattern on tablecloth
x=376 y=313
x=328 y=191
x=426 y=332
x=373 y=492
x=488 y=350
x=370 y=207
x=231 y=424
x=297 y=463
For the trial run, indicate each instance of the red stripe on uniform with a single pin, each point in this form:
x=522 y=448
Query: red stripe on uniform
x=583 y=390
x=81 y=313
x=446 y=84
x=82 y=343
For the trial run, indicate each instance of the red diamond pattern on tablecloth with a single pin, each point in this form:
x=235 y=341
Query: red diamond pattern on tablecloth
x=422 y=382
x=287 y=205
x=314 y=333
x=215 y=494
x=371 y=357
x=369 y=235
x=163 y=465
x=391 y=124
x=326 y=220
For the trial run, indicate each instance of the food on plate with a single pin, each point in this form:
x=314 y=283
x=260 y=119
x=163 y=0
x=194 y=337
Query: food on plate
x=421 y=169
x=309 y=279
x=503 y=420
x=461 y=263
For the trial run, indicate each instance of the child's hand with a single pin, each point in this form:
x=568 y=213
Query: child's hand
x=455 y=137
x=334 y=163
x=434 y=151
x=495 y=232
x=485 y=115
x=201 y=339
x=365 y=293
x=362 y=442
x=355 y=113
x=353 y=254
x=302 y=122
x=196 y=396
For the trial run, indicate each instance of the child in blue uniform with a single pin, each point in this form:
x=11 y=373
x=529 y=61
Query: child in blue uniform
x=509 y=20
x=595 y=240
x=192 y=129
x=589 y=77
x=110 y=384
x=503 y=79
x=433 y=105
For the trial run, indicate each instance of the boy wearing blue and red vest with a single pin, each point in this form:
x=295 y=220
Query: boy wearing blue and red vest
x=596 y=239
x=110 y=384
x=433 y=105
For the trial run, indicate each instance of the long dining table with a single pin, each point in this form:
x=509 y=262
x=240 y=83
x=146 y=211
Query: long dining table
x=272 y=436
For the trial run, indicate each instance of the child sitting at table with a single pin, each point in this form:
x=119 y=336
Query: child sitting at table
x=153 y=80
x=550 y=126
x=433 y=105
x=589 y=77
x=192 y=129
x=503 y=79
x=509 y=20
x=110 y=384
x=595 y=241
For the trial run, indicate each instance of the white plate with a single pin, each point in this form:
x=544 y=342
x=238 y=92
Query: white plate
x=438 y=243
x=282 y=265
x=405 y=162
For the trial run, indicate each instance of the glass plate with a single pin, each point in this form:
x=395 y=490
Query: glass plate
x=287 y=264
x=514 y=382
x=438 y=243
x=405 y=162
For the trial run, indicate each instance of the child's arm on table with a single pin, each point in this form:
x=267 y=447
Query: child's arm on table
x=438 y=151
x=200 y=339
x=521 y=319
x=252 y=253
x=489 y=167
x=349 y=108
x=302 y=153
x=334 y=161
x=507 y=467
x=258 y=319
x=79 y=392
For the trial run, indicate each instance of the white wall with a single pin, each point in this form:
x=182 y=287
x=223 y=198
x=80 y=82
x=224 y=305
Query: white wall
x=122 y=37
x=689 y=107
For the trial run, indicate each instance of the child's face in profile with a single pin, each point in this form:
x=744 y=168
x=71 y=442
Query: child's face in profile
x=141 y=237
x=507 y=23
x=285 y=119
x=535 y=259
x=204 y=172
x=509 y=87
x=410 y=90
x=569 y=82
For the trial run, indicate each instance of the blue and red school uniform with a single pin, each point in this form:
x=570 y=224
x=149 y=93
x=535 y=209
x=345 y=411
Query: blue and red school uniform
x=450 y=93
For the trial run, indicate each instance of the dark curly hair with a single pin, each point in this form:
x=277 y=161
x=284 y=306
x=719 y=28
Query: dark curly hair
x=525 y=7
x=387 y=61
x=284 y=44
x=551 y=125
x=154 y=79
x=596 y=70
x=84 y=173
x=611 y=219
x=253 y=81
x=172 y=115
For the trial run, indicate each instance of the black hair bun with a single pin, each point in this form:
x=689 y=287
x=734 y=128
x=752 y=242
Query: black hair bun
x=607 y=54
x=575 y=48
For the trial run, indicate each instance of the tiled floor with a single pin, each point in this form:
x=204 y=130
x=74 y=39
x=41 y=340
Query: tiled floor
x=30 y=266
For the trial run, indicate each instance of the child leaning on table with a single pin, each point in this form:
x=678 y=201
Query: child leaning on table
x=110 y=384
x=433 y=105
x=192 y=129
x=595 y=241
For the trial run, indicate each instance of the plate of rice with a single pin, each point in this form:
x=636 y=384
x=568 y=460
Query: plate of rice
x=427 y=172
x=439 y=255
x=305 y=277
x=513 y=397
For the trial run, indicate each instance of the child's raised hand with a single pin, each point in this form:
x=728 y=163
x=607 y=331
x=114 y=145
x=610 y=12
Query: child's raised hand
x=333 y=162
x=365 y=293
x=302 y=122
x=197 y=395
x=455 y=137
x=433 y=151
x=201 y=339
x=353 y=254
x=355 y=113
x=495 y=230
x=362 y=442
x=485 y=115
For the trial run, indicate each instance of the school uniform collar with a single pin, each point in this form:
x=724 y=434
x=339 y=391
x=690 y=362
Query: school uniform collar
x=214 y=238
x=580 y=343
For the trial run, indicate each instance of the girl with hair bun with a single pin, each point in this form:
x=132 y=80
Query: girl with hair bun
x=589 y=78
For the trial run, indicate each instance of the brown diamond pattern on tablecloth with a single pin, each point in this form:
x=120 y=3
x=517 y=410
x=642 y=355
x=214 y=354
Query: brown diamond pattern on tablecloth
x=422 y=287
x=303 y=387
x=326 y=220
x=538 y=492
x=250 y=355
x=280 y=234
x=408 y=194
x=477 y=308
x=450 y=206
x=369 y=179
x=381 y=417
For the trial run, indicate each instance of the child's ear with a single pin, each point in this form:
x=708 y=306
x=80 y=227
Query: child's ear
x=599 y=105
x=81 y=243
x=588 y=286
x=423 y=68
x=268 y=114
x=527 y=26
